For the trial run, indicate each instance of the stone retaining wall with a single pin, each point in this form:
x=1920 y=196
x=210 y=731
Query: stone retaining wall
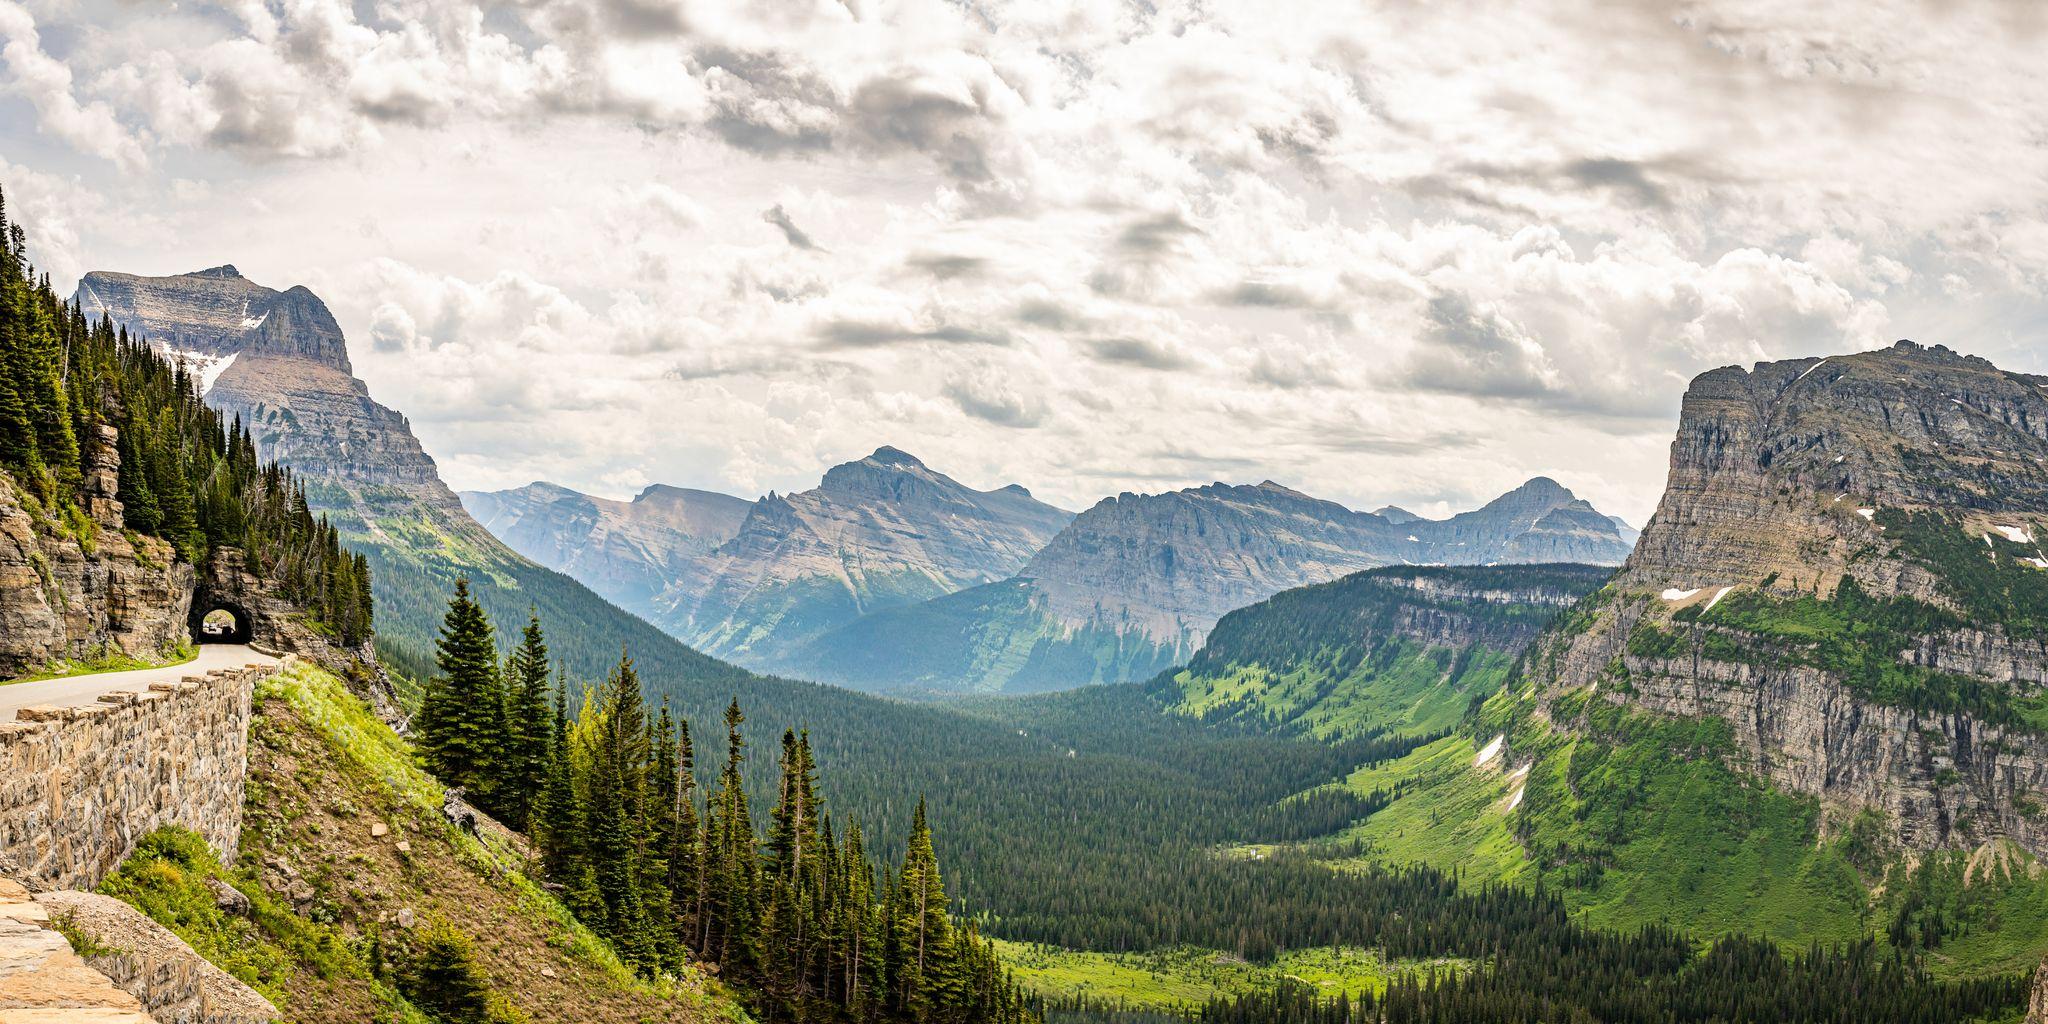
x=79 y=785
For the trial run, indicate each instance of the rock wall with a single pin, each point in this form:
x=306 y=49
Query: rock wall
x=86 y=589
x=146 y=960
x=79 y=785
x=278 y=625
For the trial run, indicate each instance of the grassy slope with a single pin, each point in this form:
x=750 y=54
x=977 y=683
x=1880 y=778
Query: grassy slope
x=1189 y=976
x=1403 y=688
x=322 y=771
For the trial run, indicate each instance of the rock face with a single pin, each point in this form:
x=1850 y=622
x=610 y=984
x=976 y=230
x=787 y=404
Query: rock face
x=41 y=979
x=2037 y=1007
x=276 y=624
x=81 y=784
x=628 y=551
x=1910 y=474
x=172 y=982
x=217 y=313
x=876 y=533
x=77 y=591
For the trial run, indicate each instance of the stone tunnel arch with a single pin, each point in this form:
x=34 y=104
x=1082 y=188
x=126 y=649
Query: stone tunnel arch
x=220 y=622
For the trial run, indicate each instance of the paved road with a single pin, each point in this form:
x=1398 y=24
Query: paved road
x=79 y=690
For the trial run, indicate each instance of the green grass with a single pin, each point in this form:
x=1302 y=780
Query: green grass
x=1404 y=689
x=166 y=878
x=1450 y=815
x=1190 y=976
x=110 y=661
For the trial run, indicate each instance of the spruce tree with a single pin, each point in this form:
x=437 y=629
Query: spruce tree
x=461 y=721
x=529 y=726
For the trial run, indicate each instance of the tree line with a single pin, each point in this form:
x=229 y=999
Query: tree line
x=801 y=920
x=185 y=475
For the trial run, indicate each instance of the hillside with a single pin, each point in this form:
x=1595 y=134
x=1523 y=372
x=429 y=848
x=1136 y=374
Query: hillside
x=1134 y=584
x=349 y=870
x=1807 y=706
x=1400 y=650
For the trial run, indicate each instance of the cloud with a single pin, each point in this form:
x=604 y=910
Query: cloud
x=987 y=394
x=869 y=334
x=46 y=83
x=1150 y=355
x=779 y=217
x=947 y=267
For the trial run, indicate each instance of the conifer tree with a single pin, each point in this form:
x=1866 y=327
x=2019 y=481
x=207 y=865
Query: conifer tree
x=529 y=726
x=461 y=722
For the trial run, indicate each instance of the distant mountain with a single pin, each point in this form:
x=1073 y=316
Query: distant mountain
x=1133 y=585
x=628 y=551
x=876 y=533
x=278 y=360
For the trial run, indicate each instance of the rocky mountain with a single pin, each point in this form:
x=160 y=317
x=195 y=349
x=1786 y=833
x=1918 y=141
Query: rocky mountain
x=1847 y=567
x=1813 y=704
x=876 y=533
x=278 y=361
x=627 y=551
x=1134 y=584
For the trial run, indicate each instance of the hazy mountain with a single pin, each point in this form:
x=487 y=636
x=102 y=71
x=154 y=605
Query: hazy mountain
x=876 y=533
x=628 y=551
x=1134 y=584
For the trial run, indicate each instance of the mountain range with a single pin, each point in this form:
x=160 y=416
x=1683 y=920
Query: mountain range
x=891 y=576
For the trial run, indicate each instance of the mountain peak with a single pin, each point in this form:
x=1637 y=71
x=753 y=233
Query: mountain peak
x=889 y=455
x=1544 y=486
x=225 y=270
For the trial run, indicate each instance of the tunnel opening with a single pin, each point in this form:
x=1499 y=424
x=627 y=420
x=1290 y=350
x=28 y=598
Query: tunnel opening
x=220 y=624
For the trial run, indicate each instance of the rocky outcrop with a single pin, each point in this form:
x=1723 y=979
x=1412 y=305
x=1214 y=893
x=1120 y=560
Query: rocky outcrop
x=174 y=984
x=876 y=533
x=41 y=979
x=1783 y=480
x=628 y=551
x=2037 y=1007
x=79 y=785
x=83 y=588
x=276 y=624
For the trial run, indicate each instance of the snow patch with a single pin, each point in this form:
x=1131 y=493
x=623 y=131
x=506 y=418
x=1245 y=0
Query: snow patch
x=1675 y=594
x=1718 y=595
x=1809 y=371
x=203 y=367
x=1413 y=539
x=2016 y=534
x=1491 y=751
x=1867 y=513
x=1987 y=541
x=1521 y=772
x=2038 y=563
x=254 y=322
x=1839 y=458
x=1515 y=800
x=1839 y=497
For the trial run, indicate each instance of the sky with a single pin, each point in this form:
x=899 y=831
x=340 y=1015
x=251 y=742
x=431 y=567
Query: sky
x=1379 y=252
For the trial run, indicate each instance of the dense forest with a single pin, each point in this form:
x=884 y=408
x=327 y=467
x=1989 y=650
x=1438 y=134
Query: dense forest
x=185 y=475
x=802 y=922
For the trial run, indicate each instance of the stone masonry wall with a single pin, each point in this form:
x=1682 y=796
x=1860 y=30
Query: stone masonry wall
x=79 y=785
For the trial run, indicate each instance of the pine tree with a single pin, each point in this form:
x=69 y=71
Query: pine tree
x=920 y=922
x=731 y=865
x=461 y=721
x=617 y=800
x=528 y=726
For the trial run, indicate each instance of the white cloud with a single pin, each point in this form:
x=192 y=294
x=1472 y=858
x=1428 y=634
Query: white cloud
x=1365 y=248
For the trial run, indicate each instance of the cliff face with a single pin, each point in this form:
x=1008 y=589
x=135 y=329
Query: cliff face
x=1846 y=568
x=77 y=591
x=628 y=551
x=876 y=533
x=217 y=313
